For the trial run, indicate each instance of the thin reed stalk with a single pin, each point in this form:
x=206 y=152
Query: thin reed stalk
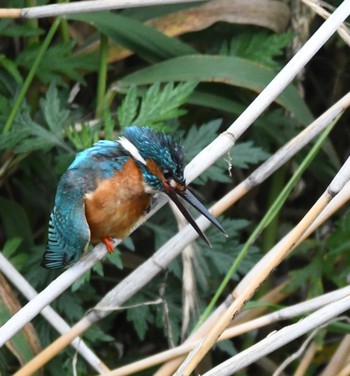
x=61 y=9
x=281 y=337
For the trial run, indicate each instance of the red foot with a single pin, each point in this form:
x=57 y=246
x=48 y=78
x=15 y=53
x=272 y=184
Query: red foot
x=109 y=244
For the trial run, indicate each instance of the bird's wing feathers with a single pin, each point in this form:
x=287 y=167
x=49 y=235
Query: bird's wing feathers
x=69 y=233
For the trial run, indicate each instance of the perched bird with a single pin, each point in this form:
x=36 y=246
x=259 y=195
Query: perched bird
x=108 y=188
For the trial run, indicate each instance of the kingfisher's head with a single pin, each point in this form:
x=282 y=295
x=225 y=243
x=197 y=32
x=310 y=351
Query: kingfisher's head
x=161 y=159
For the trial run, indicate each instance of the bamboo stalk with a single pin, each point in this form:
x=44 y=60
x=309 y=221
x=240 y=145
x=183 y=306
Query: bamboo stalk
x=62 y=9
x=287 y=246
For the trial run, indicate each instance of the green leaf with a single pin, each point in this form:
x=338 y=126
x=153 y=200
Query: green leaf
x=229 y=70
x=11 y=215
x=145 y=41
x=244 y=154
x=81 y=281
x=198 y=138
x=139 y=316
x=10 y=251
x=11 y=68
x=95 y=333
x=115 y=258
x=158 y=104
x=54 y=113
x=58 y=61
x=10 y=29
x=128 y=109
x=261 y=47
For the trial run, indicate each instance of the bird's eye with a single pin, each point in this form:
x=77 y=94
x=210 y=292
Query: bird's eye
x=167 y=174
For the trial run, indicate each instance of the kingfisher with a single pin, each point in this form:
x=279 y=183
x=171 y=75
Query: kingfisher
x=108 y=189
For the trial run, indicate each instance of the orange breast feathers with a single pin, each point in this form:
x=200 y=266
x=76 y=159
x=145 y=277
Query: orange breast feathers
x=117 y=203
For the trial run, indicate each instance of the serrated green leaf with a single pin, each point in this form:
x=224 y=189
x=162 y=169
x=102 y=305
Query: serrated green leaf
x=115 y=259
x=244 y=154
x=11 y=139
x=139 y=316
x=58 y=61
x=198 y=138
x=81 y=281
x=54 y=113
x=261 y=47
x=128 y=109
x=229 y=70
x=158 y=104
x=70 y=306
x=145 y=41
x=95 y=333
x=9 y=29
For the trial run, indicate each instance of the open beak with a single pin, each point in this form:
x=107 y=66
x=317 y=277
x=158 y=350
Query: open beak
x=191 y=199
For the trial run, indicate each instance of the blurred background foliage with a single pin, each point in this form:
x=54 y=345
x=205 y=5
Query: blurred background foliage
x=67 y=83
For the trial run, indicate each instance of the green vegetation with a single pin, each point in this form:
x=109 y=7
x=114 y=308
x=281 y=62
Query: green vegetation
x=64 y=85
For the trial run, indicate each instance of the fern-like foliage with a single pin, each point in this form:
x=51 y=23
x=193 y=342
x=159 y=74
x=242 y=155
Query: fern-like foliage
x=261 y=47
x=155 y=106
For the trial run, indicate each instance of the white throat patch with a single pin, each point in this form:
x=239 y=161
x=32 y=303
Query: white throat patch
x=132 y=149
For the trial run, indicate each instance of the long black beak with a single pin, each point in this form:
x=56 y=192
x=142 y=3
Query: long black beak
x=191 y=199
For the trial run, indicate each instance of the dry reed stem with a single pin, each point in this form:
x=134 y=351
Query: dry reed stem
x=321 y=317
x=207 y=343
x=338 y=201
x=345 y=371
x=287 y=246
x=339 y=358
x=62 y=9
x=199 y=164
x=343 y=30
x=254 y=324
x=49 y=314
x=222 y=144
x=55 y=347
x=308 y=133
x=306 y=360
x=259 y=175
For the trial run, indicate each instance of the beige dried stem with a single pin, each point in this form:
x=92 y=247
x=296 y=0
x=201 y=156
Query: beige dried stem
x=189 y=286
x=62 y=9
x=287 y=246
x=316 y=320
x=339 y=359
x=200 y=163
x=159 y=260
x=236 y=330
x=343 y=30
x=338 y=202
x=345 y=371
x=306 y=360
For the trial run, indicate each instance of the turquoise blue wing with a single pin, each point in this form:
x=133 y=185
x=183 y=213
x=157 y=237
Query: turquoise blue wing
x=69 y=233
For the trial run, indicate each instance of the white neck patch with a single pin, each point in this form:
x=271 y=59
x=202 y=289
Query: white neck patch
x=132 y=149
